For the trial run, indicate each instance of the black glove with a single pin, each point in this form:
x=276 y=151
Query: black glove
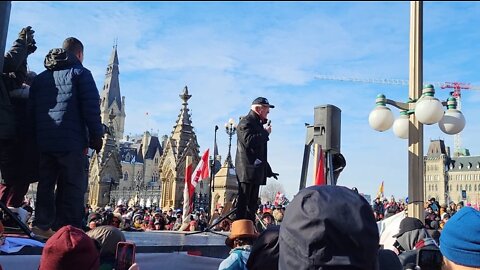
x=26 y=34
x=275 y=175
x=96 y=143
x=31 y=47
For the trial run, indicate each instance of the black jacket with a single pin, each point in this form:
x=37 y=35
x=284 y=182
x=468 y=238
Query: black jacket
x=13 y=75
x=251 y=163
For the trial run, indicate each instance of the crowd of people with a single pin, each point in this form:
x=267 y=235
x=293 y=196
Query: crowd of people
x=436 y=215
x=138 y=218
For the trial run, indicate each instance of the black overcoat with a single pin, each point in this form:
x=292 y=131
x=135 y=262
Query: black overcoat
x=251 y=163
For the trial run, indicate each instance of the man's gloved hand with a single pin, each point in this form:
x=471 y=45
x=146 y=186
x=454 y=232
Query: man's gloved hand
x=32 y=47
x=96 y=143
x=275 y=175
x=27 y=34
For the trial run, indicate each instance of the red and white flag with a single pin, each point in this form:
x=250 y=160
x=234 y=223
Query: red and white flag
x=277 y=198
x=320 y=173
x=201 y=172
x=280 y=199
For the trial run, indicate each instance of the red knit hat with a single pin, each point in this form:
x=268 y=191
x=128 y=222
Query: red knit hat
x=70 y=248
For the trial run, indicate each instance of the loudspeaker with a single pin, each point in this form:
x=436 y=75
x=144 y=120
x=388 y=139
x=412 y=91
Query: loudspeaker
x=326 y=127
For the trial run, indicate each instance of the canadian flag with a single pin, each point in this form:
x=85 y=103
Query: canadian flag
x=201 y=172
x=277 y=198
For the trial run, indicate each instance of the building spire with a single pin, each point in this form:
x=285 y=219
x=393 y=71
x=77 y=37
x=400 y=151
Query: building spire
x=185 y=96
x=111 y=97
x=183 y=130
x=109 y=142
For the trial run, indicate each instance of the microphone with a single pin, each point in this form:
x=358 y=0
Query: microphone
x=269 y=122
x=216 y=127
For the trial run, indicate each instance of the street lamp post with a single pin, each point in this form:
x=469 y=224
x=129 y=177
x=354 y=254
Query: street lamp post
x=415 y=128
x=422 y=108
x=230 y=129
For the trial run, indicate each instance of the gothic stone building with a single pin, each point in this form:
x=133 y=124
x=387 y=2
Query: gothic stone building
x=447 y=177
x=181 y=143
x=146 y=171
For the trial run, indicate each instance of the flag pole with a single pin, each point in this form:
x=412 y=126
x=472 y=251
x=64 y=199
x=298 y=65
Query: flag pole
x=186 y=193
x=212 y=174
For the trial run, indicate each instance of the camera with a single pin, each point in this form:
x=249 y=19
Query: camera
x=429 y=258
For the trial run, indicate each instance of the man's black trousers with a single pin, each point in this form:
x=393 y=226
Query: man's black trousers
x=247 y=203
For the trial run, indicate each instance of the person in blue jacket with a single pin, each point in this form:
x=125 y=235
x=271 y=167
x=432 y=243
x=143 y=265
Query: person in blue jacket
x=64 y=104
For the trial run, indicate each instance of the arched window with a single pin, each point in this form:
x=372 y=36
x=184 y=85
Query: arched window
x=155 y=177
x=125 y=176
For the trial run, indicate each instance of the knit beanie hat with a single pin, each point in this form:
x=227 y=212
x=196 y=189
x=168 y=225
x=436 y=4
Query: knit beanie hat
x=460 y=238
x=70 y=248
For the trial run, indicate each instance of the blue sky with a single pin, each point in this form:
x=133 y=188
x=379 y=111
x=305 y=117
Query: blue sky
x=229 y=53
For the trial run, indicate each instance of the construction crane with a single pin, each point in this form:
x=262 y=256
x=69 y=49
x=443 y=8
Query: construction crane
x=457 y=86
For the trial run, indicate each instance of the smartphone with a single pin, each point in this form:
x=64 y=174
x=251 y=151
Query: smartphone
x=429 y=258
x=125 y=255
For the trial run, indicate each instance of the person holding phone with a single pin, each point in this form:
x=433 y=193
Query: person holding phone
x=412 y=237
x=125 y=256
x=251 y=164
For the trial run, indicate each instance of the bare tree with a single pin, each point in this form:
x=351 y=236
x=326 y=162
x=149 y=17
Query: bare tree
x=269 y=191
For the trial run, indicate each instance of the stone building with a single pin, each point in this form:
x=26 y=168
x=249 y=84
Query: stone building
x=105 y=170
x=225 y=186
x=139 y=162
x=450 y=178
x=147 y=170
x=181 y=143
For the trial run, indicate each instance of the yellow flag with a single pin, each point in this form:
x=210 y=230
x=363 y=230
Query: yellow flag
x=380 y=191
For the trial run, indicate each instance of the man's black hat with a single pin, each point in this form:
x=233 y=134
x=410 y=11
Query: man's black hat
x=409 y=224
x=262 y=101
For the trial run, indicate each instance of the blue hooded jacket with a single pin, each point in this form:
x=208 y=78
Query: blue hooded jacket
x=64 y=104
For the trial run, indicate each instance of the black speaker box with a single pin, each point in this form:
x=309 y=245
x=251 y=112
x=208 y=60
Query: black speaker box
x=326 y=127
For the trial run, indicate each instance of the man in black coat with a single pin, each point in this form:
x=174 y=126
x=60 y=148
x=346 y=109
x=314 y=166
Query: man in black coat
x=251 y=163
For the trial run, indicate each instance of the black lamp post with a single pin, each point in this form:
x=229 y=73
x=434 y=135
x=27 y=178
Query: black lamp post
x=230 y=129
